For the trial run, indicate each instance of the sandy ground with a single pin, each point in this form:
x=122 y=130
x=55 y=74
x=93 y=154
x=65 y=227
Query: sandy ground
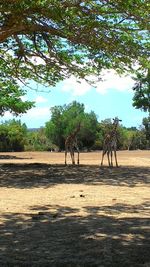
x=74 y=216
x=127 y=158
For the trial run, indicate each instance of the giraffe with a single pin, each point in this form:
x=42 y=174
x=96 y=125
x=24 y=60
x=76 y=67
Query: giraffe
x=71 y=143
x=110 y=144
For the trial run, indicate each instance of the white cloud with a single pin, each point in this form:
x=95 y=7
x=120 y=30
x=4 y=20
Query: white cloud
x=37 y=112
x=76 y=88
x=112 y=80
x=7 y=116
x=109 y=80
x=40 y=99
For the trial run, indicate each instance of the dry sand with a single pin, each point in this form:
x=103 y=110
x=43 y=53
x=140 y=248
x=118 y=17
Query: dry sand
x=57 y=215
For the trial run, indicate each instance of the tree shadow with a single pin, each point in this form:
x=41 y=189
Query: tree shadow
x=63 y=238
x=11 y=157
x=44 y=175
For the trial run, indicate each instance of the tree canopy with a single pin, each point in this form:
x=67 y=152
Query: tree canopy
x=14 y=136
x=10 y=99
x=141 y=97
x=64 y=120
x=49 y=40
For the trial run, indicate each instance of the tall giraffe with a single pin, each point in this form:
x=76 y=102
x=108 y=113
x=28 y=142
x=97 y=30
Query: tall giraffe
x=110 y=144
x=71 y=143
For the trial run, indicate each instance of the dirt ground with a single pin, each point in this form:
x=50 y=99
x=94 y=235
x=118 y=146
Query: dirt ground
x=74 y=216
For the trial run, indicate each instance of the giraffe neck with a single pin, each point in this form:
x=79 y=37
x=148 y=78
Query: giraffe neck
x=72 y=137
x=114 y=131
x=112 y=134
x=74 y=133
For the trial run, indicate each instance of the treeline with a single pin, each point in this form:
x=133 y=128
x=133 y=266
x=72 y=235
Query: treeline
x=14 y=136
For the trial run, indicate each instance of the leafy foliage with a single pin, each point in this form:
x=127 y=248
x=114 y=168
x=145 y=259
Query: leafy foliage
x=15 y=136
x=49 y=40
x=12 y=136
x=146 y=124
x=10 y=92
x=37 y=141
x=10 y=99
x=141 y=98
x=64 y=120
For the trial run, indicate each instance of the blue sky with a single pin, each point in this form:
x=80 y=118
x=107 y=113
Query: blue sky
x=111 y=97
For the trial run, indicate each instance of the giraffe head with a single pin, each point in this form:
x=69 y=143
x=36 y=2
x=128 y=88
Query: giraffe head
x=116 y=121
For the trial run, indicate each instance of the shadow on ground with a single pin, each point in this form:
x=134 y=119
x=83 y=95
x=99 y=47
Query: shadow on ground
x=62 y=239
x=105 y=236
x=44 y=175
x=10 y=157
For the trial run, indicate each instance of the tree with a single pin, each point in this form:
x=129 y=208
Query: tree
x=4 y=139
x=10 y=92
x=54 y=128
x=105 y=126
x=64 y=120
x=139 y=140
x=88 y=130
x=12 y=136
x=98 y=144
x=49 y=40
x=10 y=99
x=146 y=124
x=141 y=97
x=37 y=141
x=127 y=138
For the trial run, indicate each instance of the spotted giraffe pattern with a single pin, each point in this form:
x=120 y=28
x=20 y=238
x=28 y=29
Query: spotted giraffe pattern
x=110 y=144
x=71 y=144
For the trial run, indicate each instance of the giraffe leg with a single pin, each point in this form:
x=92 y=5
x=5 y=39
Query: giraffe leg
x=111 y=155
x=78 y=158
x=104 y=152
x=65 y=157
x=73 y=160
x=108 y=152
x=77 y=148
x=115 y=153
x=72 y=156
